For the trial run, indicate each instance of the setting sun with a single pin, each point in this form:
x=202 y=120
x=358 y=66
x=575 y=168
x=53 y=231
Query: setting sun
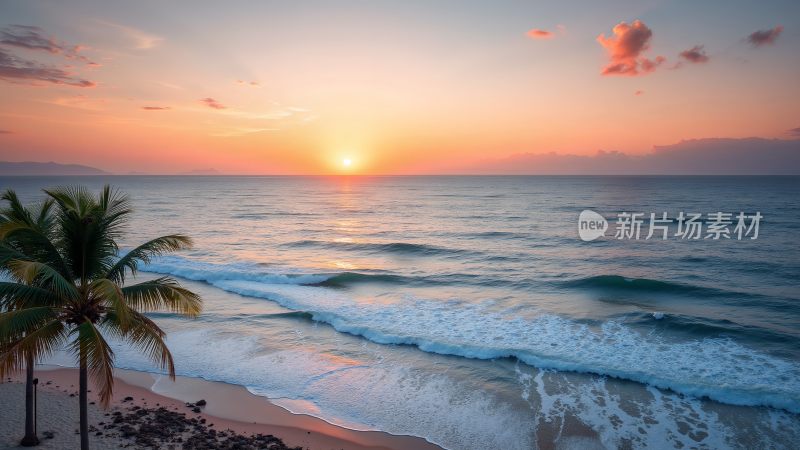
x=347 y=162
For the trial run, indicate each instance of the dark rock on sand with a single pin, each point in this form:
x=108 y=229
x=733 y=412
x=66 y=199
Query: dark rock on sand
x=162 y=428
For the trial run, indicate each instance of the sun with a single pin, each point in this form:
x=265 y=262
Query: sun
x=347 y=162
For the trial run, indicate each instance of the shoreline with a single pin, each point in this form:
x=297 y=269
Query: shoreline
x=228 y=407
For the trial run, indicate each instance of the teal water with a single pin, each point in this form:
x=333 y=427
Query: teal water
x=466 y=310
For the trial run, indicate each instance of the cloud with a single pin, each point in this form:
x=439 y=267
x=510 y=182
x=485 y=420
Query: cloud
x=764 y=37
x=794 y=131
x=243 y=131
x=155 y=108
x=696 y=55
x=751 y=156
x=250 y=83
x=80 y=102
x=32 y=38
x=638 y=92
x=626 y=48
x=17 y=70
x=140 y=40
x=537 y=33
x=6 y=132
x=211 y=103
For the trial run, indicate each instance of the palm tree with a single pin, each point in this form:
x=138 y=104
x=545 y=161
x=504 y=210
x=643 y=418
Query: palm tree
x=76 y=296
x=24 y=229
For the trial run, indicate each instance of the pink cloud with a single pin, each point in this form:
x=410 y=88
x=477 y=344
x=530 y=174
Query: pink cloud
x=537 y=33
x=696 y=55
x=211 y=103
x=638 y=93
x=764 y=37
x=155 y=108
x=626 y=48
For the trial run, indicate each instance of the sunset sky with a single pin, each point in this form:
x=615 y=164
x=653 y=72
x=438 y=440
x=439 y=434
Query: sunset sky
x=395 y=87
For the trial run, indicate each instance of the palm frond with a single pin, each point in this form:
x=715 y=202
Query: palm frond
x=34 y=242
x=18 y=322
x=89 y=343
x=38 y=344
x=145 y=252
x=163 y=293
x=15 y=211
x=33 y=272
x=146 y=335
x=112 y=296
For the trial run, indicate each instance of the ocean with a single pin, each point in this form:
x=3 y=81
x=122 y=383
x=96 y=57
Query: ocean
x=467 y=310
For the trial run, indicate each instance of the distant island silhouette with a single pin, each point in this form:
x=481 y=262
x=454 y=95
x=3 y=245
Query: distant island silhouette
x=46 y=168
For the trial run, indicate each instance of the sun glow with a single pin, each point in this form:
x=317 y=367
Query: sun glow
x=347 y=162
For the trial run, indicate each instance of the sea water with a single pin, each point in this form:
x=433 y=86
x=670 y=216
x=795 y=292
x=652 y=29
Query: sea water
x=467 y=310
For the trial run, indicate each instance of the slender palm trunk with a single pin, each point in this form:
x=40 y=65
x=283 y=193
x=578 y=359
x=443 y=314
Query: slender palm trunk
x=83 y=400
x=30 y=438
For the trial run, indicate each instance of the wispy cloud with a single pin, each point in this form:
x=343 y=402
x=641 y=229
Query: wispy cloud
x=248 y=83
x=80 y=102
x=243 y=131
x=638 y=93
x=211 y=103
x=6 y=132
x=18 y=70
x=156 y=108
x=626 y=48
x=32 y=38
x=765 y=37
x=794 y=132
x=139 y=39
x=170 y=85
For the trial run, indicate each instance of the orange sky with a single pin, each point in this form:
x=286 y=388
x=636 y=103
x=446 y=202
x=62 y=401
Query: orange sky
x=397 y=88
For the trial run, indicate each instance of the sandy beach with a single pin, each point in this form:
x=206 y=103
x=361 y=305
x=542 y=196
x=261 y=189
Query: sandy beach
x=148 y=411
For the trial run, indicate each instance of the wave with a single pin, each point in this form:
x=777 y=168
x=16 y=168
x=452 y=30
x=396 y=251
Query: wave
x=639 y=286
x=711 y=367
x=398 y=248
x=351 y=278
x=715 y=367
x=209 y=272
x=705 y=327
x=620 y=283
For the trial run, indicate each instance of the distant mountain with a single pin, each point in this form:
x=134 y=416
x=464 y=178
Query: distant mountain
x=750 y=156
x=48 y=168
x=201 y=172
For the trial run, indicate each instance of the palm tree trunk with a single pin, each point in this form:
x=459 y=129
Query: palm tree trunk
x=83 y=400
x=30 y=438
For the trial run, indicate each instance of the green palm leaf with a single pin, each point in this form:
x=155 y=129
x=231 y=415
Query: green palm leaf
x=145 y=252
x=162 y=293
x=31 y=272
x=92 y=349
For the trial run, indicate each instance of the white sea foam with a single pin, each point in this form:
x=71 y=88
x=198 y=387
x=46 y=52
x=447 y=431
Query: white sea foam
x=210 y=272
x=645 y=417
x=718 y=368
x=360 y=394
